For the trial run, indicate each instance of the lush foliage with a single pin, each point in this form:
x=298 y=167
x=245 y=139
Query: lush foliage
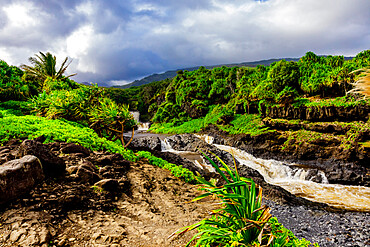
x=245 y=124
x=219 y=116
x=89 y=106
x=12 y=126
x=177 y=171
x=241 y=220
x=12 y=87
x=12 y=107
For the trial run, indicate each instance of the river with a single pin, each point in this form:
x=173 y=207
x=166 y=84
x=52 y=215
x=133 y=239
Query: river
x=301 y=182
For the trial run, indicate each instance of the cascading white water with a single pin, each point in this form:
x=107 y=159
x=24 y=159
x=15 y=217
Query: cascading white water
x=141 y=126
x=206 y=138
x=136 y=115
x=295 y=181
x=192 y=156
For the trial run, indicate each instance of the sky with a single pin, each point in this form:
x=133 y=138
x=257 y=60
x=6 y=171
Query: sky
x=117 y=41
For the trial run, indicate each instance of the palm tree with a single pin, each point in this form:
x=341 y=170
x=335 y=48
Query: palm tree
x=44 y=65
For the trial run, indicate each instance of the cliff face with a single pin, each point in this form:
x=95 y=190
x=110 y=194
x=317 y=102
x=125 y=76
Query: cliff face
x=322 y=114
x=334 y=139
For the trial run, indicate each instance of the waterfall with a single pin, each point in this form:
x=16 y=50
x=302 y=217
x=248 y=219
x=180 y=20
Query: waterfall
x=136 y=115
x=208 y=139
x=140 y=126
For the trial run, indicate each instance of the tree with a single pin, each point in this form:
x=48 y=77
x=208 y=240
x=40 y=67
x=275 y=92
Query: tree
x=44 y=65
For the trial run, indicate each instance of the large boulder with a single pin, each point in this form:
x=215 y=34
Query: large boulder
x=53 y=165
x=147 y=143
x=19 y=176
x=75 y=148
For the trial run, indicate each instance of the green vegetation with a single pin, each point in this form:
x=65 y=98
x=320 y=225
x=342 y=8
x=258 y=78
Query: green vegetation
x=245 y=124
x=12 y=87
x=56 y=130
x=345 y=101
x=241 y=220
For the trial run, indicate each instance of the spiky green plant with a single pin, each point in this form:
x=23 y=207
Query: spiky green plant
x=242 y=220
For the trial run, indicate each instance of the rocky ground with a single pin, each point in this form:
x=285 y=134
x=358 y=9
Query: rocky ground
x=328 y=229
x=143 y=208
x=103 y=200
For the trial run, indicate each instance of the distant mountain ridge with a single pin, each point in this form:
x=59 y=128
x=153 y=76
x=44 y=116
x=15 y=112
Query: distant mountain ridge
x=172 y=73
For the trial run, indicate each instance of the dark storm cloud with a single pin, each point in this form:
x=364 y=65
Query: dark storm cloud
x=123 y=40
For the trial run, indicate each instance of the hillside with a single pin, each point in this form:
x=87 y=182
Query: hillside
x=172 y=73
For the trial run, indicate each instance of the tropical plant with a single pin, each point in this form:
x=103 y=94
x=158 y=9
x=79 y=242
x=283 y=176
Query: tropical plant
x=44 y=65
x=89 y=106
x=242 y=219
x=11 y=85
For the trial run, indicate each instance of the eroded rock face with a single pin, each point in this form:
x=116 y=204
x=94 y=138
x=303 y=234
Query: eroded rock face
x=52 y=165
x=19 y=176
x=324 y=113
x=148 y=143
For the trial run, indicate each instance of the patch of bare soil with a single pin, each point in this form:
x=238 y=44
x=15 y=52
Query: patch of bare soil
x=69 y=212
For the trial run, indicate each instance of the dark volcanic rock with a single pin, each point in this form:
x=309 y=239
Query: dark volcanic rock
x=147 y=143
x=87 y=176
x=109 y=185
x=74 y=148
x=324 y=113
x=53 y=165
x=19 y=176
x=189 y=142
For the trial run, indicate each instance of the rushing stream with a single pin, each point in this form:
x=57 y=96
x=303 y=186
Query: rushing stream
x=297 y=181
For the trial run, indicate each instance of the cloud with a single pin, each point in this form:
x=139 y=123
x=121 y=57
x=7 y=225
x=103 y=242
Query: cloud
x=112 y=41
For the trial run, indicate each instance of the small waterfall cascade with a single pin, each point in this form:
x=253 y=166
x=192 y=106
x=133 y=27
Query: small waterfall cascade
x=208 y=139
x=196 y=158
x=141 y=126
x=166 y=147
x=299 y=182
